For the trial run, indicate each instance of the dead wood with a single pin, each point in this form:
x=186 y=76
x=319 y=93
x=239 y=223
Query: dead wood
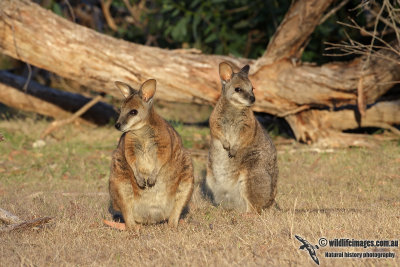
x=25 y=225
x=325 y=127
x=13 y=97
x=360 y=98
x=293 y=32
x=285 y=87
x=50 y=102
x=307 y=150
x=68 y=194
x=15 y=223
x=8 y=217
x=59 y=123
x=105 y=6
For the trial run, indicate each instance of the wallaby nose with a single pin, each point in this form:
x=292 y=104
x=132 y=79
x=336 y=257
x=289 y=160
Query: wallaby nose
x=252 y=99
x=118 y=125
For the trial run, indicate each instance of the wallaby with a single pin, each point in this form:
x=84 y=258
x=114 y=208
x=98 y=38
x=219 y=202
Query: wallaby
x=242 y=166
x=151 y=177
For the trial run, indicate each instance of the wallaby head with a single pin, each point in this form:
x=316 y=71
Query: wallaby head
x=136 y=106
x=236 y=87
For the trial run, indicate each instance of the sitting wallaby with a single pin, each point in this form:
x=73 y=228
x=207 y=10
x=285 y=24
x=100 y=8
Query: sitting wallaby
x=151 y=177
x=242 y=166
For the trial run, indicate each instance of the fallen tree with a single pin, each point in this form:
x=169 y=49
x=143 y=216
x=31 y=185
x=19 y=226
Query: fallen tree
x=18 y=99
x=301 y=93
x=48 y=101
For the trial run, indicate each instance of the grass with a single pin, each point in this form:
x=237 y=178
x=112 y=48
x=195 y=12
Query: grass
x=351 y=193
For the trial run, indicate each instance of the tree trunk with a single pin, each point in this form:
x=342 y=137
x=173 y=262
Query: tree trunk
x=13 y=97
x=291 y=37
x=284 y=86
x=50 y=102
x=326 y=126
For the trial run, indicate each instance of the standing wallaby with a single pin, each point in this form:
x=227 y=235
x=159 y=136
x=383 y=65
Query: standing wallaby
x=242 y=166
x=151 y=176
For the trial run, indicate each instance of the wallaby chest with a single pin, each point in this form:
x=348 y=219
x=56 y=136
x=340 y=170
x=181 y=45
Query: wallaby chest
x=142 y=147
x=232 y=123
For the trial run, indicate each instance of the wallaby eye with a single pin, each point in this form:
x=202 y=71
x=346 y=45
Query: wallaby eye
x=237 y=89
x=133 y=112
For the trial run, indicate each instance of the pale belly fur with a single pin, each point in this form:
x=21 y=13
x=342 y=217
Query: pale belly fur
x=154 y=204
x=228 y=183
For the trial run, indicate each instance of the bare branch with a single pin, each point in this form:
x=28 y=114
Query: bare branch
x=25 y=225
x=368 y=50
x=373 y=35
x=372 y=49
x=393 y=19
x=57 y=124
x=71 y=11
x=333 y=11
x=136 y=12
x=105 y=6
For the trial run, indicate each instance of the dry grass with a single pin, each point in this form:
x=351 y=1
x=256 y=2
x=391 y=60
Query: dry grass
x=351 y=193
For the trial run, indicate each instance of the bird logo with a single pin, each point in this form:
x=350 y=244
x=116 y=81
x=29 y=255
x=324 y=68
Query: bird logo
x=310 y=248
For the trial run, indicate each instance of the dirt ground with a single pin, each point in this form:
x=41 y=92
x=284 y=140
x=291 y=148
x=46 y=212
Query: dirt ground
x=346 y=193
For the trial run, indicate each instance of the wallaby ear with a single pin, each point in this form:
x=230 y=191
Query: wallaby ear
x=125 y=89
x=245 y=70
x=148 y=90
x=225 y=72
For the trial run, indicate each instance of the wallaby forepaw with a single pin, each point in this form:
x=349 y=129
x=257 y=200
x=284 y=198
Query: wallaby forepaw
x=225 y=145
x=232 y=152
x=151 y=181
x=141 y=183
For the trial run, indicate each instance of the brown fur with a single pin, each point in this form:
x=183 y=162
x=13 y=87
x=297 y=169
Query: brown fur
x=242 y=169
x=151 y=176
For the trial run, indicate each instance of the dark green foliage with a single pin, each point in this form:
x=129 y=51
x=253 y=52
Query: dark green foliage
x=238 y=27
